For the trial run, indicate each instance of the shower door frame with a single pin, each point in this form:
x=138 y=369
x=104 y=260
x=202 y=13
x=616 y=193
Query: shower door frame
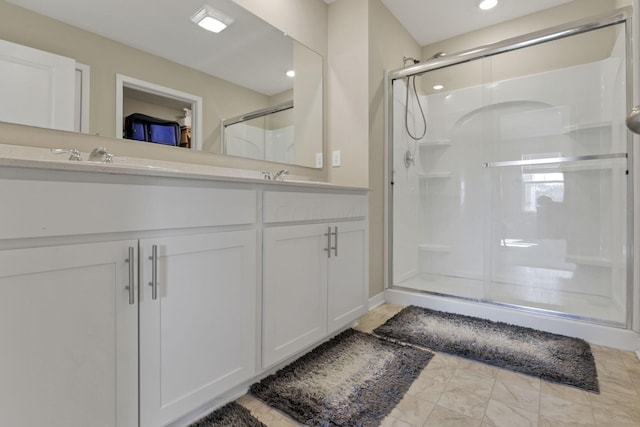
x=618 y=16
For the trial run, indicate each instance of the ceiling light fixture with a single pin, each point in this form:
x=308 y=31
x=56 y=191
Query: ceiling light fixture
x=291 y=73
x=438 y=87
x=487 y=4
x=211 y=19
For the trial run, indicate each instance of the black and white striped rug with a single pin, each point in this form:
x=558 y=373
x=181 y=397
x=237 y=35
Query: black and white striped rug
x=355 y=379
x=551 y=357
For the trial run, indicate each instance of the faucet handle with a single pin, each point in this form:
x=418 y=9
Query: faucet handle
x=267 y=175
x=280 y=175
x=74 y=153
x=101 y=154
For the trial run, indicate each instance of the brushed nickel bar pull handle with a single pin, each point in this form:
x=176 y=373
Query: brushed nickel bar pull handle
x=131 y=286
x=328 y=248
x=154 y=272
x=335 y=248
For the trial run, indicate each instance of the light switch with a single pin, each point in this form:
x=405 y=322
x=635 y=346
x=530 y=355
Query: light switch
x=318 y=160
x=335 y=159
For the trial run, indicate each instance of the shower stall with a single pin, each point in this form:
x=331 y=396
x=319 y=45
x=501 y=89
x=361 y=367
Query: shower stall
x=510 y=175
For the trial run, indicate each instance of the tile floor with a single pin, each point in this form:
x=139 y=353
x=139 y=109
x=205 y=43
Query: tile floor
x=452 y=391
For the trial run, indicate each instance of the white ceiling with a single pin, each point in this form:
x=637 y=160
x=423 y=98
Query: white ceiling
x=164 y=28
x=250 y=52
x=429 y=21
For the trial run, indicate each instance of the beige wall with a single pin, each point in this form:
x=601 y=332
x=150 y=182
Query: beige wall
x=386 y=49
x=348 y=88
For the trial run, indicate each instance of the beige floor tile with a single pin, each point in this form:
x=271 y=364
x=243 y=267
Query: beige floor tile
x=465 y=402
x=413 y=410
x=568 y=393
x=500 y=414
x=391 y=421
x=443 y=417
x=559 y=410
x=468 y=378
x=545 y=422
x=519 y=394
x=430 y=385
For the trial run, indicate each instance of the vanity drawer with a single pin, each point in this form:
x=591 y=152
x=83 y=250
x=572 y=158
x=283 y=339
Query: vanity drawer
x=57 y=208
x=293 y=207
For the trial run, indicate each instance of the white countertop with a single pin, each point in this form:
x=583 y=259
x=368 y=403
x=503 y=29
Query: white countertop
x=44 y=158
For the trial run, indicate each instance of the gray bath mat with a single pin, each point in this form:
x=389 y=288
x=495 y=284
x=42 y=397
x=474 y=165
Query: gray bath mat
x=355 y=379
x=551 y=357
x=230 y=415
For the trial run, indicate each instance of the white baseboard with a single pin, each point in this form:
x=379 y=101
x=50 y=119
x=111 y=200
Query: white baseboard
x=376 y=301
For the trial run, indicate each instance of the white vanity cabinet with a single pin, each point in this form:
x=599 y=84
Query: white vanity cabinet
x=141 y=300
x=69 y=335
x=197 y=320
x=315 y=273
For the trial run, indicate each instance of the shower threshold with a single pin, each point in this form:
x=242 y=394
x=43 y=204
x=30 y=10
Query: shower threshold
x=555 y=302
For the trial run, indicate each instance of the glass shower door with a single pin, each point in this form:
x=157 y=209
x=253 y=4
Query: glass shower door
x=558 y=172
x=518 y=192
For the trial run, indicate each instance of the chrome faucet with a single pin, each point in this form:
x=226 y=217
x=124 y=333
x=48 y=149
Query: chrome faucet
x=101 y=154
x=279 y=176
x=267 y=175
x=74 y=153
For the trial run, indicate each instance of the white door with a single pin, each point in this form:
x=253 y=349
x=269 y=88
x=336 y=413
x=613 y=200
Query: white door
x=68 y=355
x=347 y=278
x=37 y=88
x=198 y=336
x=294 y=290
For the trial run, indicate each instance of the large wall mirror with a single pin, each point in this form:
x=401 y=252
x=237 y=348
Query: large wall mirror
x=249 y=90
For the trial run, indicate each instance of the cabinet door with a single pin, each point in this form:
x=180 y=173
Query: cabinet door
x=69 y=336
x=197 y=339
x=294 y=290
x=347 y=277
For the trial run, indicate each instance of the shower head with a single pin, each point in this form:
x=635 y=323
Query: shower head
x=408 y=59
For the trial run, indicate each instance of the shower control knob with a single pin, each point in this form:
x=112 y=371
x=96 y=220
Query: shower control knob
x=633 y=120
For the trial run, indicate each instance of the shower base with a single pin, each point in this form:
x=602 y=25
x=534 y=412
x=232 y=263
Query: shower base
x=588 y=307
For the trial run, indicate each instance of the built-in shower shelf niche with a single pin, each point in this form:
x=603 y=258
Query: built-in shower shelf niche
x=435 y=175
x=589 y=127
x=595 y=165
x=435 y=143
x=589 y=260
x=426 y=247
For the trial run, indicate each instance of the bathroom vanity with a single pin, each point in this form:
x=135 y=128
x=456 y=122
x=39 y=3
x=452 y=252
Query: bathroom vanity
x=139 y=295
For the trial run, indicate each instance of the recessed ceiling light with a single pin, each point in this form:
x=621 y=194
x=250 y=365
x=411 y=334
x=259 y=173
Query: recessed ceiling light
x=487 y=4
x=291 y=73
x=211 y=19
x=438 y=87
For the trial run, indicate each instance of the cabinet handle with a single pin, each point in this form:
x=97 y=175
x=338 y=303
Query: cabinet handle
x=154 y=272
x=131 y=286
x=335 y=248
x=328 y=248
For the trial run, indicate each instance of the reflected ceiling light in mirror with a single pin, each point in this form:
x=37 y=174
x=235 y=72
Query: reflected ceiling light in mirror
x=211 y=19
x=291 y=73
x=487 y=4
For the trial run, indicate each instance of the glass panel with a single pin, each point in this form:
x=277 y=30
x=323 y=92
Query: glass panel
x=438 y=231
x=558 y=240
x=558 y=230
x=548 y=232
